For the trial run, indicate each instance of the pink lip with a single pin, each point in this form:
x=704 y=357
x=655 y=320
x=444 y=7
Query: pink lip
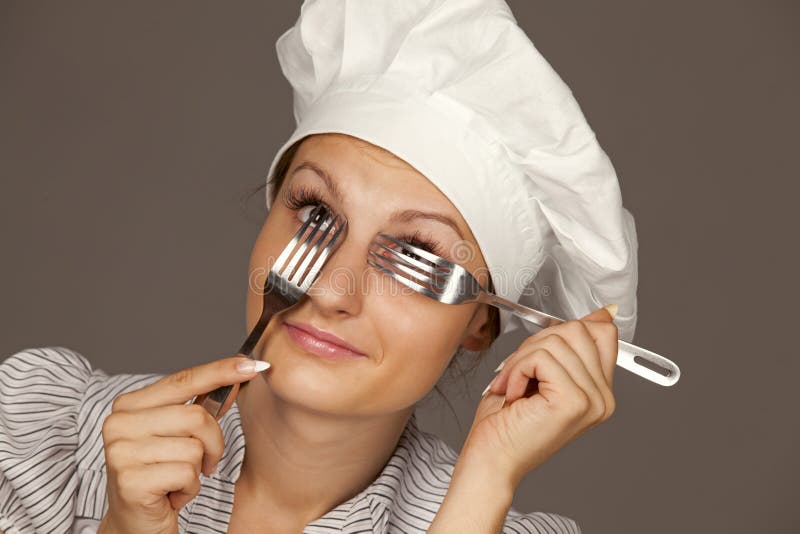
x=321 y=343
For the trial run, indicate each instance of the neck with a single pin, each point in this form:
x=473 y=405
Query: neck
x=305 y=462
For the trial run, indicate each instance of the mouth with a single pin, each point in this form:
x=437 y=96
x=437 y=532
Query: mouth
x=320 y=343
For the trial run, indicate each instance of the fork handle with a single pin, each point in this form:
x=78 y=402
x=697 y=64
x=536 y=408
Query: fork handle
x=630 y=357
x=277 y=301
x=213 y=401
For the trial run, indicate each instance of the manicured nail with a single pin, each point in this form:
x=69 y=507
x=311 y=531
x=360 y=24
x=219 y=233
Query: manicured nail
x=612 y=309
x=499 y=367
x=485 y=391
x=247 y=367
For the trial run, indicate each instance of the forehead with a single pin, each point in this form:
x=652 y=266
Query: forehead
x=355 y=158
x=351 y=162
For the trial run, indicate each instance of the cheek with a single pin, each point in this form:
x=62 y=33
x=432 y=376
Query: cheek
x=418 y=341
x=275 y=233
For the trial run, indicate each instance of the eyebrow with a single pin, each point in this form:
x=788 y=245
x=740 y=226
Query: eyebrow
x=402 y=216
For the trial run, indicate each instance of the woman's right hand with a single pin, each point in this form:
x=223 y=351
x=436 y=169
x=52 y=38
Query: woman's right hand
x=156 y=445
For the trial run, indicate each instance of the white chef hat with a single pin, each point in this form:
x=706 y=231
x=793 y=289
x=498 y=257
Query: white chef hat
x=457 y=90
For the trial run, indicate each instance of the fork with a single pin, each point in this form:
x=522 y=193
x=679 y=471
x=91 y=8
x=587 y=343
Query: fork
x=450 y=283
x=286 y=284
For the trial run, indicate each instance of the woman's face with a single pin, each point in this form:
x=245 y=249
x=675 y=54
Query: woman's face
x=407 y=338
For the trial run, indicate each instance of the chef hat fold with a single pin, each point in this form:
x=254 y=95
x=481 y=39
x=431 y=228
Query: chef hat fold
x=457 y=90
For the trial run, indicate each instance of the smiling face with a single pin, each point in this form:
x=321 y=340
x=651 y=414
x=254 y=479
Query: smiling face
x=407 y=339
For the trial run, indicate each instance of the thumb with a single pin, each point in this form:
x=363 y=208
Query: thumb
x=606 y=313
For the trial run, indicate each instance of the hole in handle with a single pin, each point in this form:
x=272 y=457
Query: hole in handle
x=644 y=362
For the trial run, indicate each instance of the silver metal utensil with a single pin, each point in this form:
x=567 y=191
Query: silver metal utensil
x=450 y=283
x=287 y=282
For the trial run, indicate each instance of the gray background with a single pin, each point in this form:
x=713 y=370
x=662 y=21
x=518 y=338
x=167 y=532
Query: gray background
x=131 y=134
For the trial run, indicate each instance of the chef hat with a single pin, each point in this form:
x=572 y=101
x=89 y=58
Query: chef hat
x=457 y=90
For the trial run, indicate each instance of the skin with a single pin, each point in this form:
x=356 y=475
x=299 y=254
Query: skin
x=337 y=423
x=553 y=388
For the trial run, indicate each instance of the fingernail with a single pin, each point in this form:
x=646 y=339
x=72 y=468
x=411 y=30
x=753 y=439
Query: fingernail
x=247 y=367
x=500 y=366
x=612 y=309
x=485 y=391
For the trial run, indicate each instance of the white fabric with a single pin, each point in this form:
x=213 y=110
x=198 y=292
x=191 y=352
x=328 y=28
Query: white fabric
x=457 y=89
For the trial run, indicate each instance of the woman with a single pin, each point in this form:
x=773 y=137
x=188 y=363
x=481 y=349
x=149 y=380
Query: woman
x=332 y=445
x=323 y=428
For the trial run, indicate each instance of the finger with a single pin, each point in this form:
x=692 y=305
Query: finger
x=541 y=365
x=180 y=387
x=188 y=420
x=606 y=337
x=601 y=314
x=575 y=333
x=578 y=336
x=566 y=356
x=156 y=449
x=146 y=483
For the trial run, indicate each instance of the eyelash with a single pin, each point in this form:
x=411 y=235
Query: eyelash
x=300 y=197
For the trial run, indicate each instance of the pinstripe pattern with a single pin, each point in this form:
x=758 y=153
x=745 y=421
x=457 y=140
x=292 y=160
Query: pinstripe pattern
x=52 y=466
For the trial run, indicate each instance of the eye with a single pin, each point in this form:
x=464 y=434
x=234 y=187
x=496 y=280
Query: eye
x=425 y=243
x=300 y=197
x=305 y=212
x=303 y=200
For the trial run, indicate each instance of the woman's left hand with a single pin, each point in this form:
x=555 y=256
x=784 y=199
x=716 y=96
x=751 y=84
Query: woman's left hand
x=556 y=385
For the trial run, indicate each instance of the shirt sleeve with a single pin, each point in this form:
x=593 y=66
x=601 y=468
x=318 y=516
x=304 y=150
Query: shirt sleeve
x=538 y=523
x=41 y=390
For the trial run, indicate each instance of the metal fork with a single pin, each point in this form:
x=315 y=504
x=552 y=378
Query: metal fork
x=450 y=283
x=286 y=284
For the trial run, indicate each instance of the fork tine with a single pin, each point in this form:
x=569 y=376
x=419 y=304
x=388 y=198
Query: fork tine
x=433 y=258
x=405 y=281
x=293 y=273
x=393 y=262
x=290 y=272
x=289 y=249
x=340 y=224
x=303 y=271
x=408 y=260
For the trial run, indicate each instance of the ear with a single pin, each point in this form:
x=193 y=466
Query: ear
x=477 y=336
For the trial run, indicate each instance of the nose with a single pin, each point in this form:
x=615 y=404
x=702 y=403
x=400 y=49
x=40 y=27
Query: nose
x=339 y=288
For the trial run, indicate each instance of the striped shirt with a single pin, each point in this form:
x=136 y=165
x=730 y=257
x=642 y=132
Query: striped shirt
x=52 y=465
